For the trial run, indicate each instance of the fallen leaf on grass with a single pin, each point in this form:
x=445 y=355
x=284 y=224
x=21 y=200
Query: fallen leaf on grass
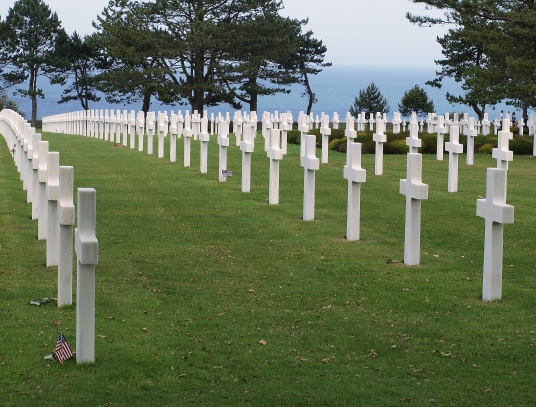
x=489 y=389
x=326 y=360
x=263 y=342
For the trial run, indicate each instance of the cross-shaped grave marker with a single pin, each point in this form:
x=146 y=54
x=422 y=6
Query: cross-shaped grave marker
x=471 y=133
x=415 y=191
x=355 y=176
x=204 y=138
x=325 y=131
x=247 y=145
x=87 y=249
x=275 y=154
x=440 y=130
x=454 y=148
x=140 y=130
x=223 y=142
x=310 y=164
x=188 y=132
x=53 y=196
x=413 y=141
x=502 y=153
x=496 y=213
x=379 y=138
x=66 y=221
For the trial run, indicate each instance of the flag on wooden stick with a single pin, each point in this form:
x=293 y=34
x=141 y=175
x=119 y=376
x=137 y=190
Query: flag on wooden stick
x=62 y=351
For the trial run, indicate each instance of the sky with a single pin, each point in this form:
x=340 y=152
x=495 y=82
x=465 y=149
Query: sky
x=356 y=32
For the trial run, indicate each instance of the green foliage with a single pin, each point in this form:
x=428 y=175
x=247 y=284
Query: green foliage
x=370 y=101
x=6 y=103
x=338 y=144
x=80 y=59
x=486 y=148
x=490 y=51
x=28 y=39
x=415 y=100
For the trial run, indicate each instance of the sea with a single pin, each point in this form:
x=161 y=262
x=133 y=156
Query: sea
x=336 y=88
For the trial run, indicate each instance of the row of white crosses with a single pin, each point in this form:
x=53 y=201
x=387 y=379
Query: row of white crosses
x=49 y=189
x=412 y=187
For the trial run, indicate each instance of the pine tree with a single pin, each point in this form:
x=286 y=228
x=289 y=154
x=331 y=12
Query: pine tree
x=370 y=101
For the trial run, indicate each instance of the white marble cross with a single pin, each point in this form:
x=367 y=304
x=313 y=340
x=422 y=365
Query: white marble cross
x=430 y=123
x=275 y=154
x=188 y=133
x=335 y=120
x=310 y=164
x=303 y=127
x=223 y=142
x=35 y=175
x=112 y=124
x=349 y=131
x=485 y=125
x=173 y=131
x=237 y=127
x=396 y=123
x=415 y=191
x=162 y=132
x=247 y=145
x=355 y=176
x=53 y=196
x=502 y=153
x=471 y=133
x=87 y=249
x=285 y=119
x=440 y=130
x=140 y=130
x=204 y=137
x=496 y=213
x=325 y=131
x=379 y=138
x=65 y=253
x=413 y=141
x=150 y=128
x=454 y=148
x=43 y=201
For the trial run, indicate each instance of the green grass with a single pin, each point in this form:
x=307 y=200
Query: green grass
x=193 y=274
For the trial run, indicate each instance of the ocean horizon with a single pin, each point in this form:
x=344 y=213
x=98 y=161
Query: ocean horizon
x=335 y=87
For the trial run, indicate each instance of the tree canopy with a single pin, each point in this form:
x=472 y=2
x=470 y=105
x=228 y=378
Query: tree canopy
x=370 y=101
x=415 y=100
x=489 y=49
x=28 y=39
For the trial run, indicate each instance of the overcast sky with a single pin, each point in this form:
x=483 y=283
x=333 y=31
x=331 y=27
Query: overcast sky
x=356 y=32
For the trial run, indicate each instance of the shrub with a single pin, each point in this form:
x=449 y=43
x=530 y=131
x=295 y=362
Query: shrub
x=396 y=147
x=339 y=144
x=486 y=148
x=521 y=145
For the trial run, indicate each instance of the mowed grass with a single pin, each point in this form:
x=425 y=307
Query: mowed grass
x=208 y=296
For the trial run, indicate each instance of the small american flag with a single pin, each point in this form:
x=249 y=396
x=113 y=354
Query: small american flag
x=62 y=351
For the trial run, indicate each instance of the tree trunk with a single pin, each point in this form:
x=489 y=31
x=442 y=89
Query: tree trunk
x=479 y=112
x=309 y=92
x=146 y=103
x=33 y=95
x=253 y=102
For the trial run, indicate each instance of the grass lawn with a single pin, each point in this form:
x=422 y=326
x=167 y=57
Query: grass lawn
x=208 y=296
